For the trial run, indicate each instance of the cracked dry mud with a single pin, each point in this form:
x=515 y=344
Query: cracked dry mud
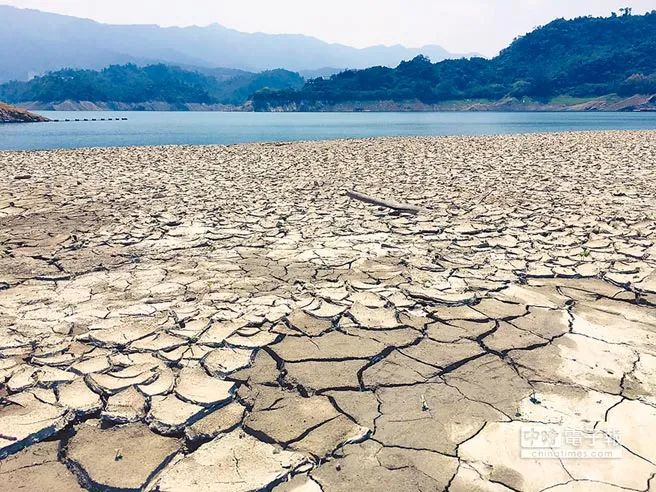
x=226 y=318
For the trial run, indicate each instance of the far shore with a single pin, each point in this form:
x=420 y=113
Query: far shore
x=636 y=103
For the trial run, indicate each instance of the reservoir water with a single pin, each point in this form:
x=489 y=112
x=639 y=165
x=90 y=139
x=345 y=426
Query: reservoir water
x=196 y=128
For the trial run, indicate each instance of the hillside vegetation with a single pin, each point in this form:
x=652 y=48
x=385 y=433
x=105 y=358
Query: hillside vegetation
x=567 y=61
x=583 y=57
x=133 y=84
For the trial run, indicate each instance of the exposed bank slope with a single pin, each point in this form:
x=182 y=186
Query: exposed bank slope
x=12 y=114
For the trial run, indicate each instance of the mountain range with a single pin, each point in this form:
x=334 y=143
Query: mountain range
x=587 y=63
x=34 y=42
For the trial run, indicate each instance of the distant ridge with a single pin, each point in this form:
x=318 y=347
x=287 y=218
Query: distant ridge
x=34 y=42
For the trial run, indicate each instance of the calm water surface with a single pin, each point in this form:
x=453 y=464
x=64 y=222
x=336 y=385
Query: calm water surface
x=163 y=128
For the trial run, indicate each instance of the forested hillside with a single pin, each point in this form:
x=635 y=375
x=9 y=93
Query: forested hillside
x=132 y=84
x=568 y=60
x=584 y=57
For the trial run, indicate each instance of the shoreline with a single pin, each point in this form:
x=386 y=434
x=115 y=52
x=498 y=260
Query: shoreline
x=352 y=140
x=610 y=103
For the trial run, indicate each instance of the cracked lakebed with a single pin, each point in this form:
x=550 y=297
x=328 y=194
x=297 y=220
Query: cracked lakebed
x=227 y=318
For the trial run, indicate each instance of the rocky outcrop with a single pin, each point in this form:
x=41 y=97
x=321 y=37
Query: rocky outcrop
x=12 y=114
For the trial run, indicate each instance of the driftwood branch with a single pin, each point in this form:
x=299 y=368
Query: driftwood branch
x=401 y=207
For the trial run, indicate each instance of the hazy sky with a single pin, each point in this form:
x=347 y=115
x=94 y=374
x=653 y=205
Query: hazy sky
x=459 y=26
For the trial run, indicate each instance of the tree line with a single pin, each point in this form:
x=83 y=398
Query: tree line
x=583 y=57
x=134 y=84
